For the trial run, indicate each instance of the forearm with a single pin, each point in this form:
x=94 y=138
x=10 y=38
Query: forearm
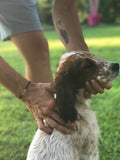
x=67 y=25
x=10 y=79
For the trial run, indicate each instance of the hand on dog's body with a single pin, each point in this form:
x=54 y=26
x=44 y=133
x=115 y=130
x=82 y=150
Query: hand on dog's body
x=94 y=87
x=40 y=102
x=39 y=99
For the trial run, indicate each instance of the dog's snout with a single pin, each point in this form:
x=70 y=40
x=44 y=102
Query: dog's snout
x=115 y=66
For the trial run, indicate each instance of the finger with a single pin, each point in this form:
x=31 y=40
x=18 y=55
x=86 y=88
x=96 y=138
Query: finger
x=87 y=95
x=90 y=88
x=52 y=103
x=38 y=112
x=78 y=116
x=69 y=124
x=53 y=124
x=106 y=85
x=72 y=126
x=42 y=127
x=48 y=111
x=97 y=87
x=54 y=115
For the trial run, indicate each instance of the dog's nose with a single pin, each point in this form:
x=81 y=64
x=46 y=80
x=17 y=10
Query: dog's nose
x=115 y=66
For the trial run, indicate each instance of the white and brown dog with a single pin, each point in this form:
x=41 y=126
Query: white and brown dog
x=75 y=68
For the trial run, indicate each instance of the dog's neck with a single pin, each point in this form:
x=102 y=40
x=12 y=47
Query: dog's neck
x=81 y=101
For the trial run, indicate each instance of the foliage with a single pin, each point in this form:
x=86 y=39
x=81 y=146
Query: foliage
x=18 y=126
x=110 y=10
x=82 y=7
x=44 y=10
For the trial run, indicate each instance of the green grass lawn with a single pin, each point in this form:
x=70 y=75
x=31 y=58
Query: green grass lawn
x=17 y=125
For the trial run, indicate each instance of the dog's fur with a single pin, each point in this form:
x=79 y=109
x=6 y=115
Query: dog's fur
x=75 y=68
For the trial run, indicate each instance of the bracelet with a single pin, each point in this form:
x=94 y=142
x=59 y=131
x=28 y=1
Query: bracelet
x=24 y=90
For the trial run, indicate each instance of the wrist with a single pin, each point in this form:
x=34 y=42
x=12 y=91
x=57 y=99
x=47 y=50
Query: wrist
x=21 y=83
x=24 y=90
x=11 y=79
x=28 y=93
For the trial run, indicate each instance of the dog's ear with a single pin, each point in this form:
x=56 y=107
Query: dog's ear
x=65 y=98
x=68 y=80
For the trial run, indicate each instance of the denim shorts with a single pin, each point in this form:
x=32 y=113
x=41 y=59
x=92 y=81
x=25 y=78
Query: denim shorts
x=18 y=16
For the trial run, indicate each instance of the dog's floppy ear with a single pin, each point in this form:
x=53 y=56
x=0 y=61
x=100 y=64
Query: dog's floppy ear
x=68 y=80
x=65 y=98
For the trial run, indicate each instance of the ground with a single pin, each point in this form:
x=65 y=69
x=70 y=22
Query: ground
x=18 y=126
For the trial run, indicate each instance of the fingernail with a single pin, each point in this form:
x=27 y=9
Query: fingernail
x=74 y=126
x=87 y=83
x=69 y=122
x=92 y=81
x=68 y=131
x=78 y=116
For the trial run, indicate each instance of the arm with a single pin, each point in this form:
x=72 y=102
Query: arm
x=38 y=98
x=10 y=79
x=69 y=30
x=67 y=25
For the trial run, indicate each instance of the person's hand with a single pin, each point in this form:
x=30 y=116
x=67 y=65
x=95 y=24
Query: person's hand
x=39 y=99
x=93 y=87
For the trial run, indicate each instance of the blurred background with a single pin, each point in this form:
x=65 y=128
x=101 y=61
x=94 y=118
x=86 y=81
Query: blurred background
x=109 y=9
x=100 y=21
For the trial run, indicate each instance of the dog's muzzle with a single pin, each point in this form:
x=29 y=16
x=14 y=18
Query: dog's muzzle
x=115 y=67
x=108 y=71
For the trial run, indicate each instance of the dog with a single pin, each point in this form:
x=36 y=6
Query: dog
x=75 y=68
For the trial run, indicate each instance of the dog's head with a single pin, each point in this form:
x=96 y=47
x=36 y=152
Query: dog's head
x=75 y=68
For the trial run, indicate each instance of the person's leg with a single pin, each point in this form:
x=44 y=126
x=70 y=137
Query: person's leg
x=33 y=47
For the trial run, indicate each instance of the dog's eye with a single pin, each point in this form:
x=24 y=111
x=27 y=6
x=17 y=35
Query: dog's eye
x=88 y=65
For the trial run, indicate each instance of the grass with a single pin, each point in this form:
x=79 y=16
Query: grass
x=18 y=126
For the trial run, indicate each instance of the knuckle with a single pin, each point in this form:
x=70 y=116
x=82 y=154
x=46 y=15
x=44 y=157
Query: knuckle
x=61 y=128
x=46 y=119
x=64 y=130
x=45 y=111
x=41 y=127
x=108 y=86
x=51 y=103
x=94 y=93
x=102 y=91
x=87 y=85
x=54 y=125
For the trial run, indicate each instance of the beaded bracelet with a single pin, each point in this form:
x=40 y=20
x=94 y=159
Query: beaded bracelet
x=24 y=90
